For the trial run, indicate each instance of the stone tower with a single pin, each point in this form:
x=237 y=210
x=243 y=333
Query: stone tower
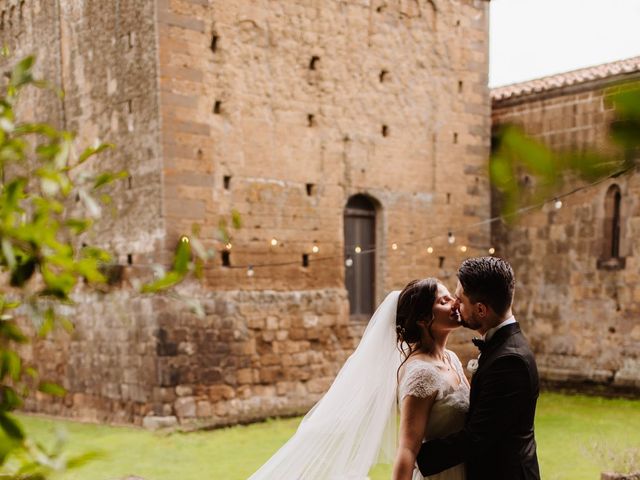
x=287 y=112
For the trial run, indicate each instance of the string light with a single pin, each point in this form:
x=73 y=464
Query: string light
x=557 y=202
x=451 y=239
x=394 y=246
x=228 y=246
x=315 y=249
x=463 y=248
x=250 y=271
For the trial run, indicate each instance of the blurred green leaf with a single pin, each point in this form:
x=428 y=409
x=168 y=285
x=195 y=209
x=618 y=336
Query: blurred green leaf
x=91 y=151
x=167 y=281
x=107 y=178
x=11 y=426
x=21 y=73
x=52 y=389
x=182 y=256
x=10 y=364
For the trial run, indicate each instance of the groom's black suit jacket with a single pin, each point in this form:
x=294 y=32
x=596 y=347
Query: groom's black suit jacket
x=497 y=441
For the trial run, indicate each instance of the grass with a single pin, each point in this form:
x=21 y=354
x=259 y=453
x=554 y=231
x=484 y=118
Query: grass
x=566 y=429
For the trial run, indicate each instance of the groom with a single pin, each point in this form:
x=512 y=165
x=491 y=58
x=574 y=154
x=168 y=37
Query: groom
x=497 y=441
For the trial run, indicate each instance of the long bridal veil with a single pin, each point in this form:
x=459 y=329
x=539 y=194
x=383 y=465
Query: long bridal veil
x=354 y=423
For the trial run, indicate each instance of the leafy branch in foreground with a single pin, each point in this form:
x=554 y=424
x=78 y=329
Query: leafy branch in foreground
x=516 y=155
x=41 y=260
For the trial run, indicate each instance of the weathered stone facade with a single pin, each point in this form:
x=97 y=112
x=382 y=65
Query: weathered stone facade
x=579 y=306
x=281 y=111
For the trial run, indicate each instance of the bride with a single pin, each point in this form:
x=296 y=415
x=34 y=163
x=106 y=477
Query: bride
x=401 y=360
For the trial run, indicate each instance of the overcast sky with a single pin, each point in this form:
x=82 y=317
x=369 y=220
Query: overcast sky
x=535 y=38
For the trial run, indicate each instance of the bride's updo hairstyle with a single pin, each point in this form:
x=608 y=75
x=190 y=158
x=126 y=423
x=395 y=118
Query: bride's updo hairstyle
x=415 y=303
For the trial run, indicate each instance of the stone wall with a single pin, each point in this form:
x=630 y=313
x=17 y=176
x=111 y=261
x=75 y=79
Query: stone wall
x=579 y=312
x=281 y=112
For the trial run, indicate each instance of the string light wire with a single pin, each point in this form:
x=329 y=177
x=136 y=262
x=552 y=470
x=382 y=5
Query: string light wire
x=450 y=232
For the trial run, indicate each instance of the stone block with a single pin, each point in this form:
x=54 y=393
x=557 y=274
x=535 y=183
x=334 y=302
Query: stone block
x=244 y=376
x=185 y=407
x=184 y=390
x=157 y=423
x=203 y=409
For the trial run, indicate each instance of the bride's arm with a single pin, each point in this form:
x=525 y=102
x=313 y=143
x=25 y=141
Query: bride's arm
x=414 y=415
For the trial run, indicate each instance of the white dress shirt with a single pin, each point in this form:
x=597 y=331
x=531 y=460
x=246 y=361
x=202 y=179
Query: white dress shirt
x=487 y=336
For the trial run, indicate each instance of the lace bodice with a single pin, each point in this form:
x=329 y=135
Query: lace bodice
x=421 y=378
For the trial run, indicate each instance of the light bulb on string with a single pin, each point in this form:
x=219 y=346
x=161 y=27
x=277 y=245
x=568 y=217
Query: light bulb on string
x=557 y=204
x=451 y=239
x=184 y=239
x=463 y=248
x=394 y=246
x=348 y=262
x=429 y=250
x=274 y=242
x=250 y=271
x=228 y=246
x=358 y=249
x=315 y=249
x=492 y=251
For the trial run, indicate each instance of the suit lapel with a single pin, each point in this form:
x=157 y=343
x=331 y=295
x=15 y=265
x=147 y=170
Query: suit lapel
x=492 y=346
x=497 y=340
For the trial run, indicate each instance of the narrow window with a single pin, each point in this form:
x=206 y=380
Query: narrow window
x=314 y=62
x=311 y=189
x=214 y=42
x=610 y=257
x=226 y=180
x=217 y=107
x=226 y=259
x=305 y=260
x=385 y=130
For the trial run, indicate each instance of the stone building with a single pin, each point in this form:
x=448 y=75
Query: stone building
x=577 y=266
x=328 y=126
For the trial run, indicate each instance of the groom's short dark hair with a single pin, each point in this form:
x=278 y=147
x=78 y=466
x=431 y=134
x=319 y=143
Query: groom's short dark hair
x=488 y=280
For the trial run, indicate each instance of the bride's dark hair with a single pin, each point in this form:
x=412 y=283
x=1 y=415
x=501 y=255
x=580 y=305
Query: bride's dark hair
x=415 y=303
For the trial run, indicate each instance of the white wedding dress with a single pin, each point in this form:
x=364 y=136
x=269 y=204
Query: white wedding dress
x=354 y=425
x=421 y=379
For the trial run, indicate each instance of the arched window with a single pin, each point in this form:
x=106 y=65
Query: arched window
x=359 y=239
x=612 y=223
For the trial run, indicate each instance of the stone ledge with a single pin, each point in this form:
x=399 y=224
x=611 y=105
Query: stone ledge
x=620 y=476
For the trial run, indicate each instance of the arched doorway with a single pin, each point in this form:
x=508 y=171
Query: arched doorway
x=360 y=242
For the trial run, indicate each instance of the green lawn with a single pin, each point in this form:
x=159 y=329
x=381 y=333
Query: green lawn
x=567 y=428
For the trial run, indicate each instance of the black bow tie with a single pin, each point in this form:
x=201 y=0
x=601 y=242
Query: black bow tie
x=480 y=343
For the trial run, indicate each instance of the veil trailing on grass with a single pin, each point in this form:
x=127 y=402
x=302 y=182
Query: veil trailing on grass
x=354 y=424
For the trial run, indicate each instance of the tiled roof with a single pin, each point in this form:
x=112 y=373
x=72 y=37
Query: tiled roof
x=575 y=77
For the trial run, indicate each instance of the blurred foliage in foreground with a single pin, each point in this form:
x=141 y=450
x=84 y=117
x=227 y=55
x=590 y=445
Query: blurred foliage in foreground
x=515 y=156
x=50 y=197
x=41 y=261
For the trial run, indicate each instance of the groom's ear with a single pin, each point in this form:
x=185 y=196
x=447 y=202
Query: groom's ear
x=482 y=309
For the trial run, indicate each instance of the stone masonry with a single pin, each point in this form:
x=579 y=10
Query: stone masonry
x=579 y=308
x=281 y=111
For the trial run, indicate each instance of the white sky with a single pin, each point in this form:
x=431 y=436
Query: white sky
x=535 y=38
